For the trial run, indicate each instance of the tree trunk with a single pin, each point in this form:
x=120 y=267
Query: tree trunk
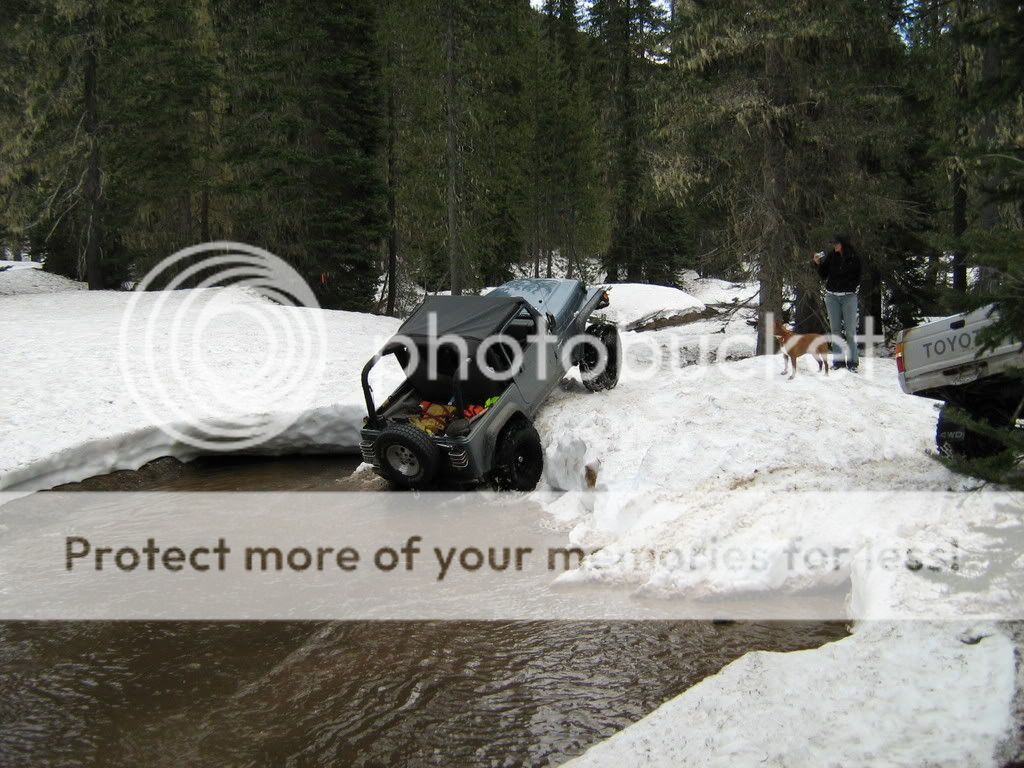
x=988 y=216
x=622 y=251
x=672 y=32
x=773 y=252
x=959 y=192
x=204 y=214
x=630 y=124
x=92 y=188
x=186 y=206
x=808 y=316
x=958 y=187
x=871 y=297
x=769 y=305
x=392 y=271
x=204 y=195
x=454 y=262
x=571 y=250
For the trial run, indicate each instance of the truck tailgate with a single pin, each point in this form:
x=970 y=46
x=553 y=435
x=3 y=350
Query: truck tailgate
x=945 y=352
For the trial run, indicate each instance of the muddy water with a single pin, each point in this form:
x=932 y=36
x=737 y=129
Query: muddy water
x=348 y=693
x=238 y=473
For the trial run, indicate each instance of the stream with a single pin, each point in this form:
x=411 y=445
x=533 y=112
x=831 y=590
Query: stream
x=342 y=693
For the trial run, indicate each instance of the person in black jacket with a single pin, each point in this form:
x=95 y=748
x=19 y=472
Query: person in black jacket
x=840 y=269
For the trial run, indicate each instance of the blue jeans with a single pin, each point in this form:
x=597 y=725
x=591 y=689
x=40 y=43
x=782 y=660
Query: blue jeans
x=842 y=317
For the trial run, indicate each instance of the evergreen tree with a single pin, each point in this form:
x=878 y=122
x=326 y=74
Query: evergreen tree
x=462 y=198
x=568 y=144
x=994 y=158
x=630 y=33
x=53 y=145
x=786 y=114
x=166 y=92
x=303 y=137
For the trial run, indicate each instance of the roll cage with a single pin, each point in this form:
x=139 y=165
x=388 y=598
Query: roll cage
x=471 y=318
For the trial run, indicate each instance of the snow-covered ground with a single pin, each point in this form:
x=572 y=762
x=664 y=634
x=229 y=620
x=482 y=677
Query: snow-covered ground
x=71 y=415
x=722 y=453
x=679 y=428
x=742 y=425
x=21 y=277
x=908 y=694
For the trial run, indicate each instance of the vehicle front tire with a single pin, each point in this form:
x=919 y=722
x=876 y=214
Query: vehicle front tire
x=956 y=440
x=407 y=456
x=607 y=336
x=518 y=457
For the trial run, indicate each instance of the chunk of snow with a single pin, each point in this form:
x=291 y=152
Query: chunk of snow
x=711 y=290
x=635 y=304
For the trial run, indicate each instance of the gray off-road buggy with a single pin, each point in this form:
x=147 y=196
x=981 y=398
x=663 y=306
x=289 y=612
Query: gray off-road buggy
x=468 y=418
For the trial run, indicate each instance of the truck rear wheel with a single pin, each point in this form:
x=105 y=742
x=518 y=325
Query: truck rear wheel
x=607 y=337
x=956 y=440
x=518 y=457
x=407 y=456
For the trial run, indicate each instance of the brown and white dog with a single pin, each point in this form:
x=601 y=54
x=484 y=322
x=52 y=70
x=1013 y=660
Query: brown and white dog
x=796 y=344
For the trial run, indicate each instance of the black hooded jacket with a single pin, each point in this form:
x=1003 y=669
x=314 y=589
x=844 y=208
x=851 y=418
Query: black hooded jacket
x=840 y=271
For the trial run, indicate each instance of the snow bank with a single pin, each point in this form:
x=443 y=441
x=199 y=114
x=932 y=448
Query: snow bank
x=743 y=424
x=718 y=452
x=890 y=695
x=21 y=277
x=71 y=415
x=635 y=304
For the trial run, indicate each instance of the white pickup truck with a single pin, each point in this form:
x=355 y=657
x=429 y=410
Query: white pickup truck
x=943 y=360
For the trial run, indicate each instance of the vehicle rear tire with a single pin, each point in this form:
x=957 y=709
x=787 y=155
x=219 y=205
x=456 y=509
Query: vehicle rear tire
x=518 y=457
x=407 y=456
x=955 y=440
x=607 y=336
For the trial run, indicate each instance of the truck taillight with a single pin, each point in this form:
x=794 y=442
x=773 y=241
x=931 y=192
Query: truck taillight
x=899 y=357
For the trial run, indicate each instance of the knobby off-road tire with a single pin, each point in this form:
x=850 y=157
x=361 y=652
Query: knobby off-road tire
x=518 y=457
x=407 y=456
x=956 y=440
x=608 y=337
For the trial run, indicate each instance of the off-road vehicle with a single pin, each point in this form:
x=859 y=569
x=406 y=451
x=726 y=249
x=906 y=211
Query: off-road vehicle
x=471 y=420
x=943 y=360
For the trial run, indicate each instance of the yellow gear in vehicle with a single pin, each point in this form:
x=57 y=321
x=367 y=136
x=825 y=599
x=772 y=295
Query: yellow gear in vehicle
x=434 y=417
